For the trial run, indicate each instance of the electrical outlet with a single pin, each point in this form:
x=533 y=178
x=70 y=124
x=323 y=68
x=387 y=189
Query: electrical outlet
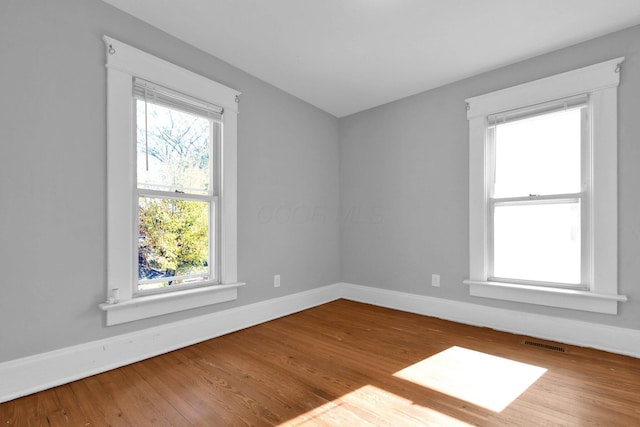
x=276 y=281
x=435 y=280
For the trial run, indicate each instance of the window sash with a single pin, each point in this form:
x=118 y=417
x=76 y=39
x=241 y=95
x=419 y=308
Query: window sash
x=214 y=258
x=215 y=137
x=171 y=278
x=174 y=195
x=493 y=122
x=537 y=199
x=570 y=198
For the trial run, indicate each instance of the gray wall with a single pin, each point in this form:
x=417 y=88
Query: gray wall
x=53 y=176
x=399 y=173
x=408 y=161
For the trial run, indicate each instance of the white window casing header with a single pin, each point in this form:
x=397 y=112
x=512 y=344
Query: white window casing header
x=583 y=80
x=135 y=62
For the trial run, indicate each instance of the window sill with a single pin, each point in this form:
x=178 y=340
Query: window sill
x=159 y=304
x=551 y=297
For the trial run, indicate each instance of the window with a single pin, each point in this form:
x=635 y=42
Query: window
x=537 y=197
x=171 y=138
x=177 y=219
x=543 y=206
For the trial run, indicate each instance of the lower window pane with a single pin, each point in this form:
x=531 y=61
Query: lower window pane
x=537 y=242
x=173 y=242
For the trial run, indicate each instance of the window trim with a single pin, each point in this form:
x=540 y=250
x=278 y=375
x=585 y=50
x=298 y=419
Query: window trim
x=600 y=82
x=123 y=63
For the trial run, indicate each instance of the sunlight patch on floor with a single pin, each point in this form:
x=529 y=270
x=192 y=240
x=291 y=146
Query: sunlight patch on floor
x=370 y=405
x=481 y=379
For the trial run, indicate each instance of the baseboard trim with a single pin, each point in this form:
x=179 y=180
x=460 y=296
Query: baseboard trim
x=584 y=334
x=31 y=374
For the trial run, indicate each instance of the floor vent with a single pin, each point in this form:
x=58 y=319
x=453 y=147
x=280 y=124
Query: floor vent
x=545 y=346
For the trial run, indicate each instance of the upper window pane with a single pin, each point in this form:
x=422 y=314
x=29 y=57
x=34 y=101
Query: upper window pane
x=539 y=155
x=174 y=149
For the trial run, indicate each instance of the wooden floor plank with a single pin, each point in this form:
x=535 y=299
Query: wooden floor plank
x=241 y=399
x=239 y=366
x=345 y=363
x=179 y=388
x=90 y=396
x=152 y=401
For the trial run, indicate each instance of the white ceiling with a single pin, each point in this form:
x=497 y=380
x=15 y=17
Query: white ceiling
x=345 y=56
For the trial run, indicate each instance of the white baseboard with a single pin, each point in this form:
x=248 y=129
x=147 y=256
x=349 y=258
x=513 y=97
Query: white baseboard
x=35 y=373
x=28 y=375
x=584 y=334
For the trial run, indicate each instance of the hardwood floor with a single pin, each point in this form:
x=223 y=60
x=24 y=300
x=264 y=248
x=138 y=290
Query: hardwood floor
x=351 y=364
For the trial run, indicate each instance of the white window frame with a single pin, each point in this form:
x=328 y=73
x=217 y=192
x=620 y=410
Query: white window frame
x=581 y=196
x=147 y=92
x=123 y=63
x=600 y=83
